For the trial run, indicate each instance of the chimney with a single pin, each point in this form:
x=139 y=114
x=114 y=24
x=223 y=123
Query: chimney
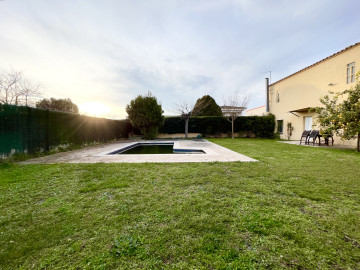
x=267 y=93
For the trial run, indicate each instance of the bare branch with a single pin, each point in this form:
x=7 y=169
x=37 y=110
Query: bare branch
x=233 y=108
x=9 y=84
x=183 y=108
x=16 y=89
x=30 y=91
x=186 y=110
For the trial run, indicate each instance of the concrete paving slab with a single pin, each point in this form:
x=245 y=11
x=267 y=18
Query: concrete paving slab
x=335 y=146
x=100 y=154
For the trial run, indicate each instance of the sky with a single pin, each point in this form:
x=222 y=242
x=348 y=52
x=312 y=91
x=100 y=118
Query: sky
x=103 y=54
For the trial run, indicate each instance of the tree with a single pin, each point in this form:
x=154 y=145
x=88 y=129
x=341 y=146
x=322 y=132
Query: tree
x=233 y=108
x=29 y=91
x=341 y=114
x=186 y=111
x=61 y=105
x=211 y=108
x=16 y=89
x=145 y=113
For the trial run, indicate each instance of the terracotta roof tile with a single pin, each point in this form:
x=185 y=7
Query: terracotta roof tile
x=256 y=108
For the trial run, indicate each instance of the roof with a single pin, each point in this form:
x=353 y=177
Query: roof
x=302 y=110
x=256 y=108
x=323 y=60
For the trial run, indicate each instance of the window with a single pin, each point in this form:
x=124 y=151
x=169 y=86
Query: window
x=350 y=73
x=277 y=96
x=280 y=124
x=308 y=123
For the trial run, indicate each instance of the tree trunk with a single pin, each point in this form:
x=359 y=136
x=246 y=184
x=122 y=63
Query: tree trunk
x=186 y=128
x=358 y=142
x=232 y=128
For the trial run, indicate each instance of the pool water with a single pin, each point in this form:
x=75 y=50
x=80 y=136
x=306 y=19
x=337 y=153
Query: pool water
x=162 y=148
x=150 y=149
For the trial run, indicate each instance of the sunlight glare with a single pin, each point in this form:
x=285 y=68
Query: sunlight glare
x=94 y=108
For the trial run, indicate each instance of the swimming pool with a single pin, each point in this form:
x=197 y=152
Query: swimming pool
x=153 y=149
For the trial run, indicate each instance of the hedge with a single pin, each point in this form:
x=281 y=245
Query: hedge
x=259 y=126
x=25 y=129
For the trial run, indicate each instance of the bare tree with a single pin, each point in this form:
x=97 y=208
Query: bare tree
x=30 y=91
x=16 y=89
x=233 y=108
x=9 y=86
x=187 y=110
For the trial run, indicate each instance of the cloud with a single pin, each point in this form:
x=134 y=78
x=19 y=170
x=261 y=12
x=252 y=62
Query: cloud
x=111 y=51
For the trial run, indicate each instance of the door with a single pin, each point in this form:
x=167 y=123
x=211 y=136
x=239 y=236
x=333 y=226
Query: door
x=308 y=122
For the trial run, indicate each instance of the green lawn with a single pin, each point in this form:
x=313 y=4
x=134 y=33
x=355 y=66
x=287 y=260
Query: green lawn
x=298 y=207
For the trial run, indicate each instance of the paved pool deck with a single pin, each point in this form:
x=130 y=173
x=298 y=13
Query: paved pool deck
x=100 y=154
x=335 y=146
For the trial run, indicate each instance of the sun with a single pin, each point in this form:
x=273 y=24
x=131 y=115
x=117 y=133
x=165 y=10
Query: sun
x=94 y=108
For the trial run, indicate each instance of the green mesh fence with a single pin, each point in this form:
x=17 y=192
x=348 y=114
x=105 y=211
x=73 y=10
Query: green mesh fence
x=25 y=129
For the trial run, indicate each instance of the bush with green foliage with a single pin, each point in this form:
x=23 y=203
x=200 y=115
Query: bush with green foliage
x=289 y=130
x=60 y=105
x=207 y=106
x=259 y=126
x=342 y=118
x=145 y=113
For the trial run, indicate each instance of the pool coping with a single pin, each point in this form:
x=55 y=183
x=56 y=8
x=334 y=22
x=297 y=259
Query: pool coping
x=174 y=142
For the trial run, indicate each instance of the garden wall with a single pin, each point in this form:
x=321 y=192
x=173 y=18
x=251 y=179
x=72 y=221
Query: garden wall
x=25 y=129
x=244 y=126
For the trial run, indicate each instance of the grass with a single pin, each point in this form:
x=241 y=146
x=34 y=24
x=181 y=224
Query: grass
x=297 y=208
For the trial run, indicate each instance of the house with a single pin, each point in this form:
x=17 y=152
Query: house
x=290 y=98
x=259 y=111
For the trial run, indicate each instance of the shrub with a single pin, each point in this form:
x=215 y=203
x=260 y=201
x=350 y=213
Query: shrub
x=207 y=106
x=258 y=126
x=146 y=114
x=61 y=105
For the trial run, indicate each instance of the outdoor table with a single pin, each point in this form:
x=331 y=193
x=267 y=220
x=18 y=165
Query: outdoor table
x=326 y=137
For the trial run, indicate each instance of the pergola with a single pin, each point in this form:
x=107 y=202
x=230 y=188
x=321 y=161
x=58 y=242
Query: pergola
x=231 y=110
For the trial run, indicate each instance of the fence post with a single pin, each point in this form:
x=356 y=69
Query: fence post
x=47 y=130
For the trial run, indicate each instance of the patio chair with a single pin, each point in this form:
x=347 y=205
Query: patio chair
x=314 y=134
x=304 y=135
